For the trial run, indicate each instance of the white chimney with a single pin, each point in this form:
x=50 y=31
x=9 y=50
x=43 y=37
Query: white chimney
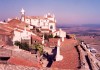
x=58 y=44
x=43 y=40
x=62 y=38
x=58 y=56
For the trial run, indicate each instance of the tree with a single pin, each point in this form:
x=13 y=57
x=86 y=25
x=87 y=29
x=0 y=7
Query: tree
x=17 y=43
x=23 y=46
x=56 y=36
x=37 y=30
x=46 y=37
x=68 y=37
x=38 y=48
x=50 y=36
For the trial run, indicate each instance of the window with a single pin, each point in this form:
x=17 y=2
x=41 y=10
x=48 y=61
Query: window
x=35 y=41
x=51 y=27
x=56 y=34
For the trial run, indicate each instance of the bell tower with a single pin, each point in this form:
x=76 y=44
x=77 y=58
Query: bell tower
x=22 y=15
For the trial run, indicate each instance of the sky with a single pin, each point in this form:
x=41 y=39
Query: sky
x=66 y=11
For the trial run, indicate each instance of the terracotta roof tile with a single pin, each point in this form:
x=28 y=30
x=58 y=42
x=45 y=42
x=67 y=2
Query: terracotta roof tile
x=49 y=16
x=45 y=30
x=70 y=56
x=14 y=21
x=50 y=21
x=36 y=38
x=4 y=33
x=22 y=61
x=18 y=30
x=34 y=17
x=53 y=42
x=2 y=43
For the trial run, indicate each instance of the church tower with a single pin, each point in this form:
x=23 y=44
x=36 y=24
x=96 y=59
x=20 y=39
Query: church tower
x=22 y=15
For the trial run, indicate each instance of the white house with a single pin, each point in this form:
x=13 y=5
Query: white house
x=59 y=33
x=20 y=34
x=17 y=36
x=45 y=22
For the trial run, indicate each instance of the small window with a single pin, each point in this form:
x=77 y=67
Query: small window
x=56 y=34
x=51 y=27
x=35 y=41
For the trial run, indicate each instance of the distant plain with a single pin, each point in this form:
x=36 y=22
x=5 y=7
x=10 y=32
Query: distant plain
x=90 y=34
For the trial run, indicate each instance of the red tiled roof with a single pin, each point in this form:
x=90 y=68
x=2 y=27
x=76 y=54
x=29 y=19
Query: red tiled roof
x=53 y=41
x=2 y=43
x=30 y=17
x=34 y=17
x=21 y=28
x=50 y=21
x=14 y=21
x=22 y=24
x=22 y=61
x=18 y=30
x=45 y=30
x=70 y=56
x=49 y=16
x=4 y=32
x=6 y=29
x=36 y=38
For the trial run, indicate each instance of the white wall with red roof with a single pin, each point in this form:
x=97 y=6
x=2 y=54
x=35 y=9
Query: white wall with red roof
x=22 y=34
x=59 y=33
x=45 y=22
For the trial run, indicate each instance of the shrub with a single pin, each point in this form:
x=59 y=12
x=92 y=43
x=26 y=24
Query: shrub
x=56 y=36
x=37 y=30
x=17 y=43
x=68 y=37
x=46 y=37
x=23 y=46
x=50 y=36
x=38 y=48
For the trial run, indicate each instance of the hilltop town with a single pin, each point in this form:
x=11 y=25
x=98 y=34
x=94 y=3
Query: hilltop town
x=35 y=43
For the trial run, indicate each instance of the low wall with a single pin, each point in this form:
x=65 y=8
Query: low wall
x=95 y=64
x=83 y=62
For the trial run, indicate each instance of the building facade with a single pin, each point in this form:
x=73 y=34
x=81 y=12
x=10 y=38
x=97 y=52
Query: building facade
x=46 y=22
x=59 y=33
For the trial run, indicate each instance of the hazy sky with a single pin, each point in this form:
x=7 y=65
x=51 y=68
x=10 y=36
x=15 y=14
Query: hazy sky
x=66 y=11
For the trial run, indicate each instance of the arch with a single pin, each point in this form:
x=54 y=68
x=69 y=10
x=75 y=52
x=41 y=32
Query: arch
x=51 y=27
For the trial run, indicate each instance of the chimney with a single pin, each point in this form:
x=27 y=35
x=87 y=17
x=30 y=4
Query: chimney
x=43 y=39
x=62 y=38
x=58 y=44
x=58 y=56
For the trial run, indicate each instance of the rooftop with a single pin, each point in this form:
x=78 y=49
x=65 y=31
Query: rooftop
x=70 y=56
x=15 y=67
x=19 y=59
